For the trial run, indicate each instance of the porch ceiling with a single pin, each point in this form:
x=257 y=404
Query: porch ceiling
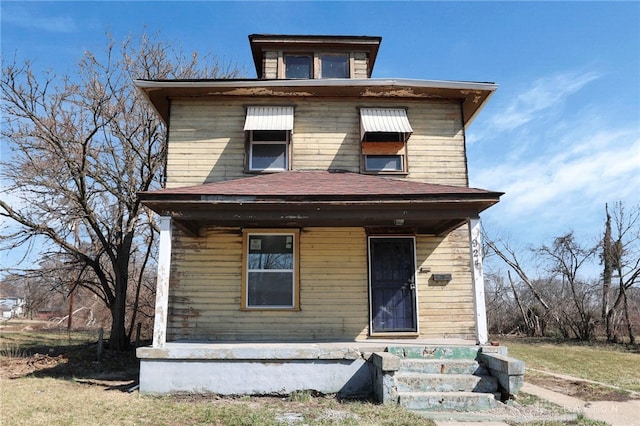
x=321 y=198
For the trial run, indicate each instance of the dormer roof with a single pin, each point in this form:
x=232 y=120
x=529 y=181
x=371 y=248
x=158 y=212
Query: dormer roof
x=261 y=43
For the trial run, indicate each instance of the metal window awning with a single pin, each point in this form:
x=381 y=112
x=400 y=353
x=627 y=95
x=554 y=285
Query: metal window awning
x=388 y=120
x=269 y=118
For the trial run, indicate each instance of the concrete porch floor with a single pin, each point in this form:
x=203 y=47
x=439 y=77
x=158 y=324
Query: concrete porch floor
x=286 y=350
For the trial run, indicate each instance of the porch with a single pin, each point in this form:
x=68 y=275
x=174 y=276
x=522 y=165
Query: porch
x=456 y=372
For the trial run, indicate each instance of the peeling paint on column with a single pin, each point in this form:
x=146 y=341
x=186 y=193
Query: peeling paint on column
x=162 y=287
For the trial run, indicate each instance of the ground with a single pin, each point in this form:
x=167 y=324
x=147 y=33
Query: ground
x=45 y=372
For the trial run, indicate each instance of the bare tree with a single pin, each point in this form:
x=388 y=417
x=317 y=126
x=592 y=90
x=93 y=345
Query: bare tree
x=82 y=146
x=621 y=261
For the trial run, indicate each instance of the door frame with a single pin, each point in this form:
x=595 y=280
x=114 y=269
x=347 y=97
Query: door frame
x=415 y=280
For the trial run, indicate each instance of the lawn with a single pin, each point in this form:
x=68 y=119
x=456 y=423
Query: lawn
x=615 y=365
x=51 y=377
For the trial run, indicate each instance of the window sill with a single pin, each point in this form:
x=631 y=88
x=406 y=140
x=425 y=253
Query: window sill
x=245 y=309
x=385 y=173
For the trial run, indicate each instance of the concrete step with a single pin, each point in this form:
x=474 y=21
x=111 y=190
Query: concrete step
x=447 y=401
x=443 y=366
x=435 y=352
x=421 y=382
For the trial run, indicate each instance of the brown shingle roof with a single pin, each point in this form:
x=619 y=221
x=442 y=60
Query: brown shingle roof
x=324 y=184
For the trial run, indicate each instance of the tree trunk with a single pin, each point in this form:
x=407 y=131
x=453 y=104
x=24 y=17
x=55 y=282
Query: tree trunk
x=606 y=277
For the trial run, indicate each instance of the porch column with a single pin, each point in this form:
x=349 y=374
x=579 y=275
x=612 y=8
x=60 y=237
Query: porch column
x=482 y=335
x=162 y=287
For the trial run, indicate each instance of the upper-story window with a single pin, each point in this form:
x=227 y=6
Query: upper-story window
x=384 y=134
x=298 y=66
x=268 y=139
x=334 y=65
x=318 y=65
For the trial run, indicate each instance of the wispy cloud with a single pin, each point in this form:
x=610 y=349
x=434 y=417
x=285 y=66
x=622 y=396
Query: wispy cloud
x=31 y=19
x=558 y=159
x=543 y=95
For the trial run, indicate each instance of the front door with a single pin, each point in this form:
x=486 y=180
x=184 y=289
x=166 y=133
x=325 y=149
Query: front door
x=392 y=284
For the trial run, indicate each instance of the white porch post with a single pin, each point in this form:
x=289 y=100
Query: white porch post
x=162 y=287
x=482 y=334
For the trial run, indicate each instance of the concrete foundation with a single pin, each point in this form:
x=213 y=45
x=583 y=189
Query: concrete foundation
x=349 y=369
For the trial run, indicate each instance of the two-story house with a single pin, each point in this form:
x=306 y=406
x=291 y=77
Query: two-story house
x=311 y=215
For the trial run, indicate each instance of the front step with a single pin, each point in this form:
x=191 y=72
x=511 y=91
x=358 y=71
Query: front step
x=447 y=401
x=444 y=366
x=425 y=382
x=435 y=352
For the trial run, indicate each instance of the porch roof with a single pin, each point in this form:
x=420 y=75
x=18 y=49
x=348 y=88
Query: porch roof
x=321 y=198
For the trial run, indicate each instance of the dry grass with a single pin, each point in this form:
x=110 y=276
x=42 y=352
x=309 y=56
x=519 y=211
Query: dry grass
x=51 y=378
x=46 y=401
x=615 y=365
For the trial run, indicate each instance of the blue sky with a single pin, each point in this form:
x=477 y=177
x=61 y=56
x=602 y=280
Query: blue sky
x=561 y=136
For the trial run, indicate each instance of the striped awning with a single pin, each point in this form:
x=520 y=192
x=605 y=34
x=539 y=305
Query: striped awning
x=391 y=120
x=269 y=118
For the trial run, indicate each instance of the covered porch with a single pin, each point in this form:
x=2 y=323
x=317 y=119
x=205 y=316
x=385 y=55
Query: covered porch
x=304 y=350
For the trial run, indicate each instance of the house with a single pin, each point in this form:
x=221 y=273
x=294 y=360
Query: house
x=316 y=225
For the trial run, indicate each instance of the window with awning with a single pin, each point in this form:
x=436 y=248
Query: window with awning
x=268 y=130
x=384 y=133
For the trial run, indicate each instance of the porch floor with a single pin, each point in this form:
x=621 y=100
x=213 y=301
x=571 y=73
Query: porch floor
x=229 y=350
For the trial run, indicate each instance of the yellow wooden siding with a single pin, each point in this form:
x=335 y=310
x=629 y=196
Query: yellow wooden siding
x=205 y=290
x=445 y=310
x=360 y=63
x=206 y=140
x=270 y=65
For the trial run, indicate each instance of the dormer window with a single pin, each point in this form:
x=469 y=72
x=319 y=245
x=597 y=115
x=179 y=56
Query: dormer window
x=334 y=65
x=268 y=130
x=298 y=66
x=384 y=133
x=318 y=65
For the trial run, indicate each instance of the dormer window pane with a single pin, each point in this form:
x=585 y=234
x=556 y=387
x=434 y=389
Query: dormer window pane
x=334 y=66
x=298 y=66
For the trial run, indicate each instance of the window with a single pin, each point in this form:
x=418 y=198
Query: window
x=268 y=150
x=268 y=138
x=384 y=163
x=270 y=265
x=384 y=133
x=298 y=66
x=334 y=66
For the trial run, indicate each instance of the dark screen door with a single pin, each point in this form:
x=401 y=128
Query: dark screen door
x=392 y=281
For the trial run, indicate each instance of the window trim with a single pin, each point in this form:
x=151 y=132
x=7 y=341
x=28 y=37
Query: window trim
x=244 y=293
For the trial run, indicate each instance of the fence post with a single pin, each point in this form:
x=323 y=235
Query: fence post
x=100 y=344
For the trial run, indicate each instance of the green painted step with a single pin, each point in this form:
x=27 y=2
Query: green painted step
x=435 y=352
x=447 y=401
x=421 y=382
x=443 y=366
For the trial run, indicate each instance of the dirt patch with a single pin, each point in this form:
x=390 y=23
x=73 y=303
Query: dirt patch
x=14 y=367
x=579 y=389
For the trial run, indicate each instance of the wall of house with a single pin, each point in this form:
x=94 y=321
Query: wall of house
x=205 y=289
x=207 y=143
x=446 y=309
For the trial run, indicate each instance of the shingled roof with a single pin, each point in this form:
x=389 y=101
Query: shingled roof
x=320 y=184
x=321 y=198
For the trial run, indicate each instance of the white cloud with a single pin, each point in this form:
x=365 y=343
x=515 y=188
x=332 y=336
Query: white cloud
x=557 y=158
x=544 y=94
x=26 y=18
